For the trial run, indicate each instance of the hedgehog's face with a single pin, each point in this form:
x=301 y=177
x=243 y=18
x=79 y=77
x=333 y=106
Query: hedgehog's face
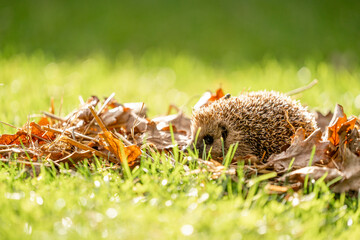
x=210 y=138
x=215 y=137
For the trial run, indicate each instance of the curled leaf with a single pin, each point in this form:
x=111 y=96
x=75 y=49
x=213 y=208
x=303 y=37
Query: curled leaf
x=117 y=147
x=301 y=149
x=208 y=97
x=339 y=119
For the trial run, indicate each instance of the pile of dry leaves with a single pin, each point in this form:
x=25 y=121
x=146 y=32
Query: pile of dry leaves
x=118 y=132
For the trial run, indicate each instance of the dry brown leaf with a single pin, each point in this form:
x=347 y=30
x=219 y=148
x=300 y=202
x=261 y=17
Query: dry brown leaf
x=339 y=119
x=301 y=149
x=178 y=121
x=353 y=141
x=18 y=138
x=22 y=136
x=314 y=172
x=116 y=146
x=162 y=139
x=44 y=121
x=323 y=121
x=350 y=169
x=218 y=94
x=139 y=108
x=124 y=117
x=36 y=130
x=209 y=97
x=84 y=112
x=348 y=162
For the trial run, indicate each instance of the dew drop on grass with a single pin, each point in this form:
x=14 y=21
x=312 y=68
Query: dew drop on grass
x=60 y=203
x=66 y=222
x=350 y=222
x=187 y=230
x=138 y=199
x=32 y=196
x=295 y=201
x=107 y=178
x=164 y=182
x=203 y=197
x=192 y=193
x=153 y=201
x=97 y=183
x=39 y=200
x=111 y=213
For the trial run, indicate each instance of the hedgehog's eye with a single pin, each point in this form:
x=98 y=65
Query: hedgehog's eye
x=224 y=132
x=208 y=139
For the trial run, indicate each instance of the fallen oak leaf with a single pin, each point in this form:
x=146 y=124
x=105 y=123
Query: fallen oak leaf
x=22 y=136
x=313 y=172
x=301 y=150
x=37 y=131
x=178 y=121
x=122 y=116
x=348 y=162
x=218 y=94
x=17 y=138
x=350 y=169
x=43 y=121
x=84 y=113
x=346 y=170
x=339 y=119
x=139 y=108
x=323 y=121
x=353 y=141
x=208 y=97
x=163 y=139
x=116 y=146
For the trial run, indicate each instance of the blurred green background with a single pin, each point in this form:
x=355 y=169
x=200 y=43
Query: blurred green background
x=213 y=31
x=164 y=52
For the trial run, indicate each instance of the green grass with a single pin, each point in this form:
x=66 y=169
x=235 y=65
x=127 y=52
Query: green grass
x=161 y=201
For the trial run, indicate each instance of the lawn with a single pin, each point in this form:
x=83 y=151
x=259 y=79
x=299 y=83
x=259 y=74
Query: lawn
x=138 y=63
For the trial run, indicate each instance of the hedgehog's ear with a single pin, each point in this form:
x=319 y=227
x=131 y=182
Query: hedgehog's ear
x=227 y=96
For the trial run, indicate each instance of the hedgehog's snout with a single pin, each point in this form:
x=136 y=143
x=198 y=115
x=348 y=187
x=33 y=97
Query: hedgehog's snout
x=203 y=144
x=210 y=140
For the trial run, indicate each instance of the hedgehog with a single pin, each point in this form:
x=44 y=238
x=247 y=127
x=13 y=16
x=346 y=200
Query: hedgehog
x=262 y=123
